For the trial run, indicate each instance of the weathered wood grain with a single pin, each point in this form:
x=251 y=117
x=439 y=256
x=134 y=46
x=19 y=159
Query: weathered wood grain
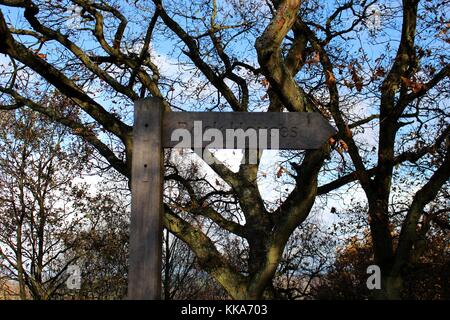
x=297 y=130
x=144 y=277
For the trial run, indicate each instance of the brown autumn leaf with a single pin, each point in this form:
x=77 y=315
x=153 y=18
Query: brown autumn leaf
x=331 y=141
x=413 y=85
x=348 y=132
x=357 y=80
x=417 y=87
x=380 y=72
x=331 y=80
x=343 y=145
x=280 y=172
x=265 y=83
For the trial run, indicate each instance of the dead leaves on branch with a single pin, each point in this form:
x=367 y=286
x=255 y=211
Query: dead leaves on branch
x=330 y=79
x=354 y=69
x=379 y=73
x=412 y=84
x=280 y=171
x=40 y=55
x=357 y=80
x=340 y=145
x=266 y=84
x=443 y=34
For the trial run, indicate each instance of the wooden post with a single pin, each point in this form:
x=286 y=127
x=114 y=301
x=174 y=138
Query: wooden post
x=144 y=272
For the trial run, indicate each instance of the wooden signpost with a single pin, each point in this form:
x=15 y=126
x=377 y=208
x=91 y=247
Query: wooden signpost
x=153 y=131
x=297 y=130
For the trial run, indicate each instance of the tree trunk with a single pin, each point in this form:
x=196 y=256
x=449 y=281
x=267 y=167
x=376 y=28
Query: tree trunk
x=391 y=288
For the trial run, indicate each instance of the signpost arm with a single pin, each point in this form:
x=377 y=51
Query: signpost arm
x=144 y=272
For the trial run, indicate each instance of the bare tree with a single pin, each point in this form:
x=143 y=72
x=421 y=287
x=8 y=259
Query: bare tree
x=38 y=162
x=308 y=255
x=102 y=243
x=389 y=83
x=424 y=278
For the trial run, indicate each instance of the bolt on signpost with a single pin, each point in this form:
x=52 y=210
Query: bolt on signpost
x=155 y=130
